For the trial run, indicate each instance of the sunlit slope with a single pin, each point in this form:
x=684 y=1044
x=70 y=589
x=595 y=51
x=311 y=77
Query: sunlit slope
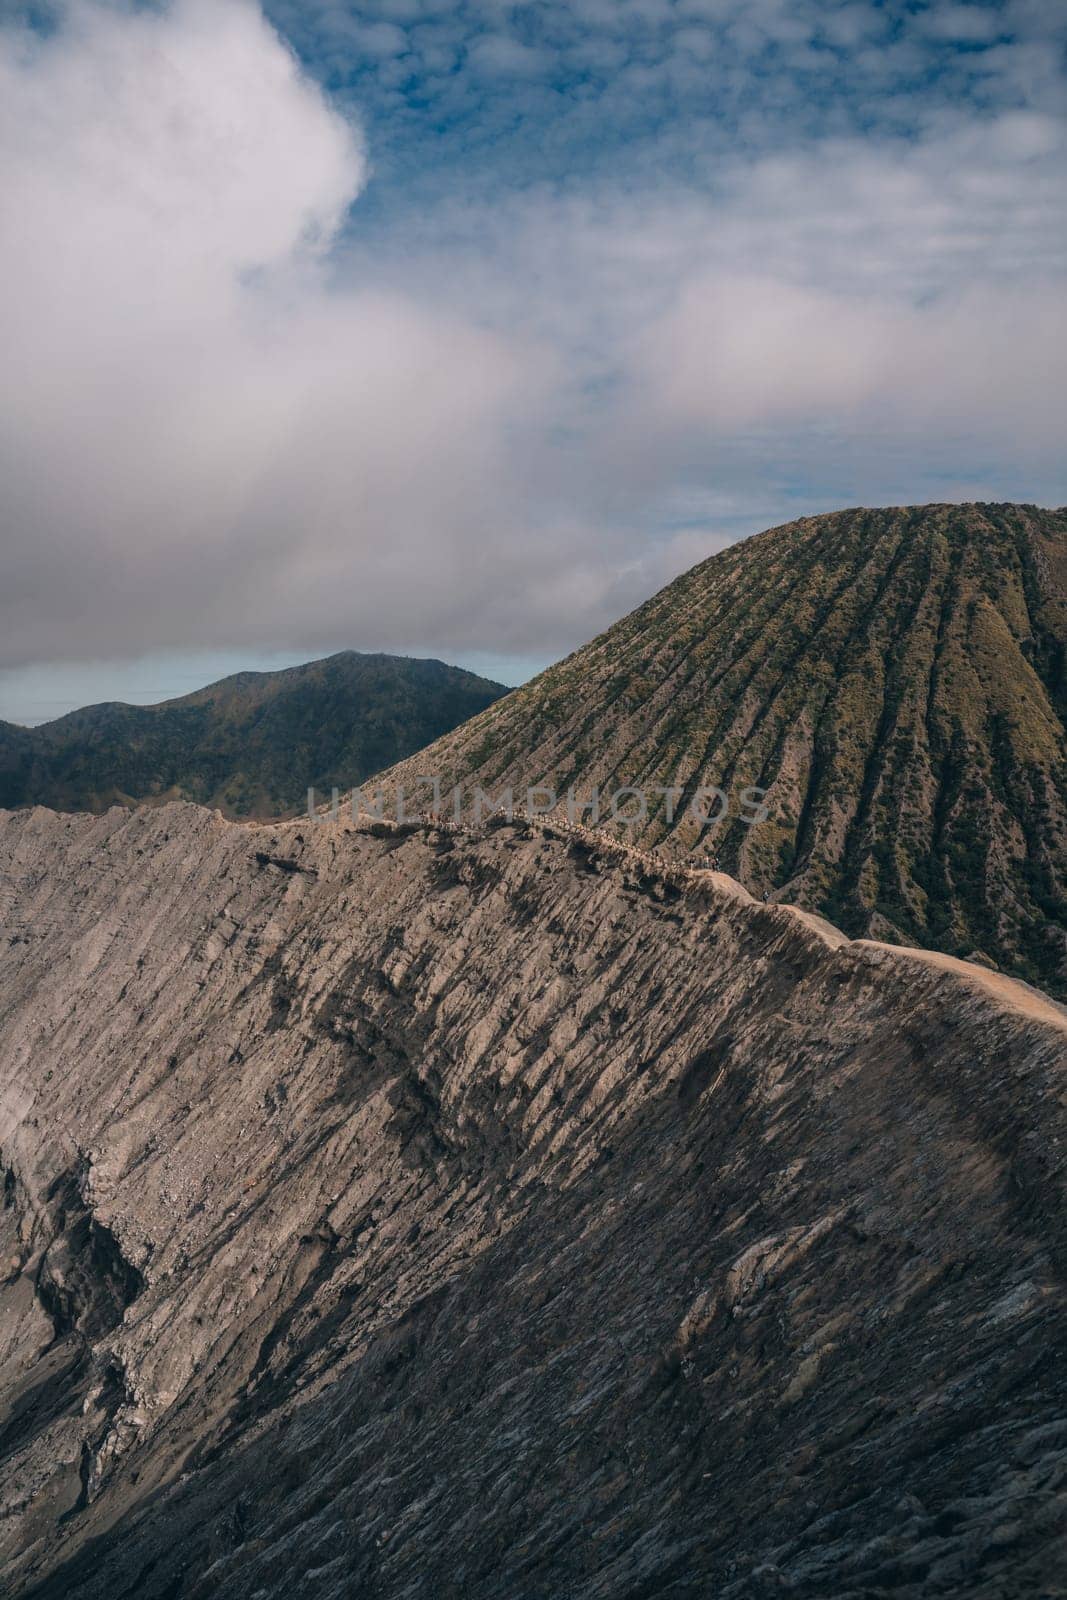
x=893 y=678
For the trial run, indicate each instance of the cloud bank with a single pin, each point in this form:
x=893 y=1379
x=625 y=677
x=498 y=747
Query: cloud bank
x=244 y=404
x=202 y=437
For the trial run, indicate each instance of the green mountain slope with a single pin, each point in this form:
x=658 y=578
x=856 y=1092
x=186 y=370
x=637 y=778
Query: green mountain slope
x=250 y=744
x=895 y=680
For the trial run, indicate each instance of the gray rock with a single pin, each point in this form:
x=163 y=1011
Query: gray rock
x=373 y=1229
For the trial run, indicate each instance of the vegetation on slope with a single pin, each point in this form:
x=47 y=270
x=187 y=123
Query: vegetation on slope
x=250 y=744
x=895 y=679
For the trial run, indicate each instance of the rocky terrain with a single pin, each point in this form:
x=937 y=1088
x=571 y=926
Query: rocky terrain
x=396 y=1213
x=251 y=744
x=894 y=679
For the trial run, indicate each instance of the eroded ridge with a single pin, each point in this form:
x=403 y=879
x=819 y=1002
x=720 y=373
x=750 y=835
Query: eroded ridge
x=514 y=1215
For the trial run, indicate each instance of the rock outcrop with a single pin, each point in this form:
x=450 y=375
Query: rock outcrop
x=402 y=1213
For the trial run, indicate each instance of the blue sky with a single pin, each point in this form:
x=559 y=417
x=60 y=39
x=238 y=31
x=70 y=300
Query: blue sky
x=457 y=329
x=493 y=95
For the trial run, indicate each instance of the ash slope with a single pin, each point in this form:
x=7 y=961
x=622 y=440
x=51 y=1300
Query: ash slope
x=897 y=681
x=508 y=1217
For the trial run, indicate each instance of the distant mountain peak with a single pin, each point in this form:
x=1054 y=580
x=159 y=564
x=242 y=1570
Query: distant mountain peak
x=251 y=744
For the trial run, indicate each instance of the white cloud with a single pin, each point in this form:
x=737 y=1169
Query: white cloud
x=1027 y=135
x=969 y=23
x=501 y=56
x=201 y=438
x=494 y=426
x=756 y=352
x=382 y=39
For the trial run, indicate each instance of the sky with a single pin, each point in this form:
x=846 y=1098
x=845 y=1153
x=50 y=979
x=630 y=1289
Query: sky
x=458 y=329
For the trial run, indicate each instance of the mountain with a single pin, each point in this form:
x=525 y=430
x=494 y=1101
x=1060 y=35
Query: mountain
x=251 y=744
x=894 y=679
x=395 y=1212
